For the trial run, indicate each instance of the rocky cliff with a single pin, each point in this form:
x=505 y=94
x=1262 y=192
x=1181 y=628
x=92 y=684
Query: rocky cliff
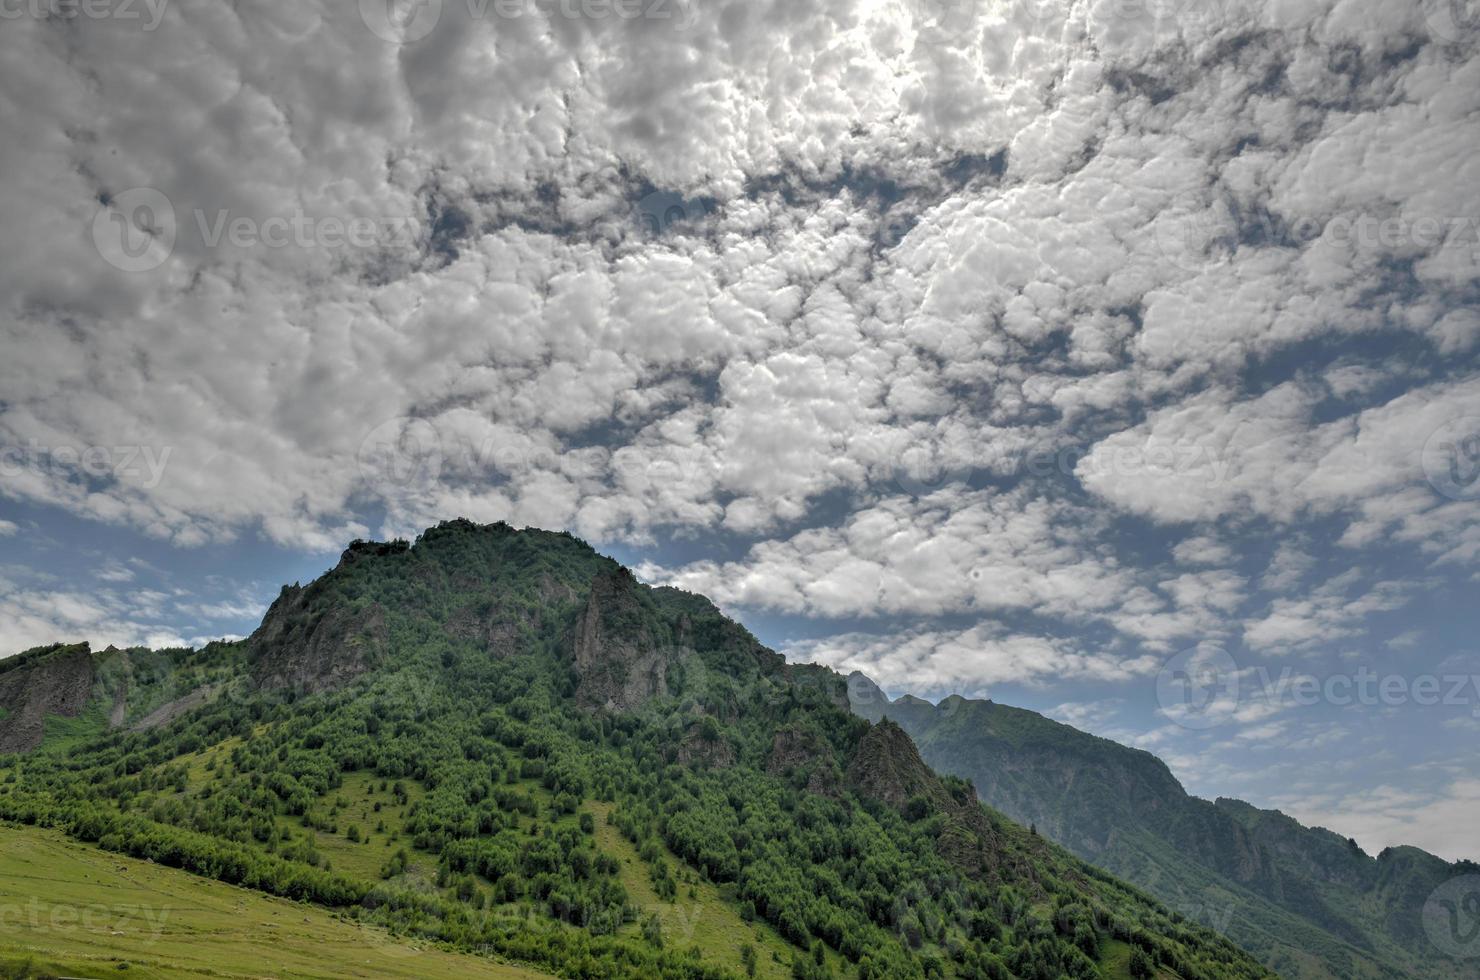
x=55 y=681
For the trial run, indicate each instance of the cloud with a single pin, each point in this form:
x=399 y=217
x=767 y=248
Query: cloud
x=968 y=660
x=810 y=335
x=115 y=572
x=35 y=617
x=1215 y=455
x=1087 y=714
x=1333 y=611
x=950 y=551
x=1389 y=816
x=1203 y=550
x=8 y=529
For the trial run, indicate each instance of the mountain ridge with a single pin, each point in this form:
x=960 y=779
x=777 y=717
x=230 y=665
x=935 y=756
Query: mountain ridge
x=490 y=688
x=1297 y=896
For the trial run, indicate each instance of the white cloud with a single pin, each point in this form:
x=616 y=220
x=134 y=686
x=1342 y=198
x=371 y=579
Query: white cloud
x=1203 y=550
x=32 y=617
x=968 y=660
x=1335 y=610
x=1214 y=455
x=115 y=572
x=774 y=355
x=1438 y=821
x=1087 y=715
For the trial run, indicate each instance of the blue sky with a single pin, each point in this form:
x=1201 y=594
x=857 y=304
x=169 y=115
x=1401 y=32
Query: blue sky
x=1113 y=359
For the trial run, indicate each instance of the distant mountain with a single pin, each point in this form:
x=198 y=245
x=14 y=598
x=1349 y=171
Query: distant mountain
x=499 y=741
x=1307 y=902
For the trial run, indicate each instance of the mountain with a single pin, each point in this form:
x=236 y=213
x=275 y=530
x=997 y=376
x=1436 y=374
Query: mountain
x=1307 y=902
x=500 y=742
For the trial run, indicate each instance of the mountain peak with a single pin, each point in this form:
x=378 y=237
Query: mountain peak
x=515 y=686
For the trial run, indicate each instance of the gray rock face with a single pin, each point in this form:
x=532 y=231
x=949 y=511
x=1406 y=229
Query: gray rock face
x=298 y=649
x=60 y=683
x=170 y=710
x=619 y=662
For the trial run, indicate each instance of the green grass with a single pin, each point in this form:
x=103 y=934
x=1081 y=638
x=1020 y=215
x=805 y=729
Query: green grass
x=710 y=920
x=365 y=859
x=61 y=734
x=74 y=910
x=1115 y=962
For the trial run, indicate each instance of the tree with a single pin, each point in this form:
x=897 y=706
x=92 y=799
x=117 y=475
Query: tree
x=652 y=931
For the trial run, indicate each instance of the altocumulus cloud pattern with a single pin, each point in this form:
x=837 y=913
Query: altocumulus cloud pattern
x=1014 y=345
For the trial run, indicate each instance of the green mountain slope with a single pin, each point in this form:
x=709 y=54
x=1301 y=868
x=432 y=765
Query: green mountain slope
x=500 y=742
x=76 y=910
x=1307 y=902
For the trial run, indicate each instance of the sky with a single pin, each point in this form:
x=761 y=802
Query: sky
x=1111 y=358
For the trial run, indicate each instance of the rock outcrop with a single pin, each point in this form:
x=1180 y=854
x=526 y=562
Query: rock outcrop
x=57 y=681
x=619 y=662
x=302 y=648
x=887 y=767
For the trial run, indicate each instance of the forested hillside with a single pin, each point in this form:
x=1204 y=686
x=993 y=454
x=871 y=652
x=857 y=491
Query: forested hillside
x=1309 y=903
x=501 y=742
